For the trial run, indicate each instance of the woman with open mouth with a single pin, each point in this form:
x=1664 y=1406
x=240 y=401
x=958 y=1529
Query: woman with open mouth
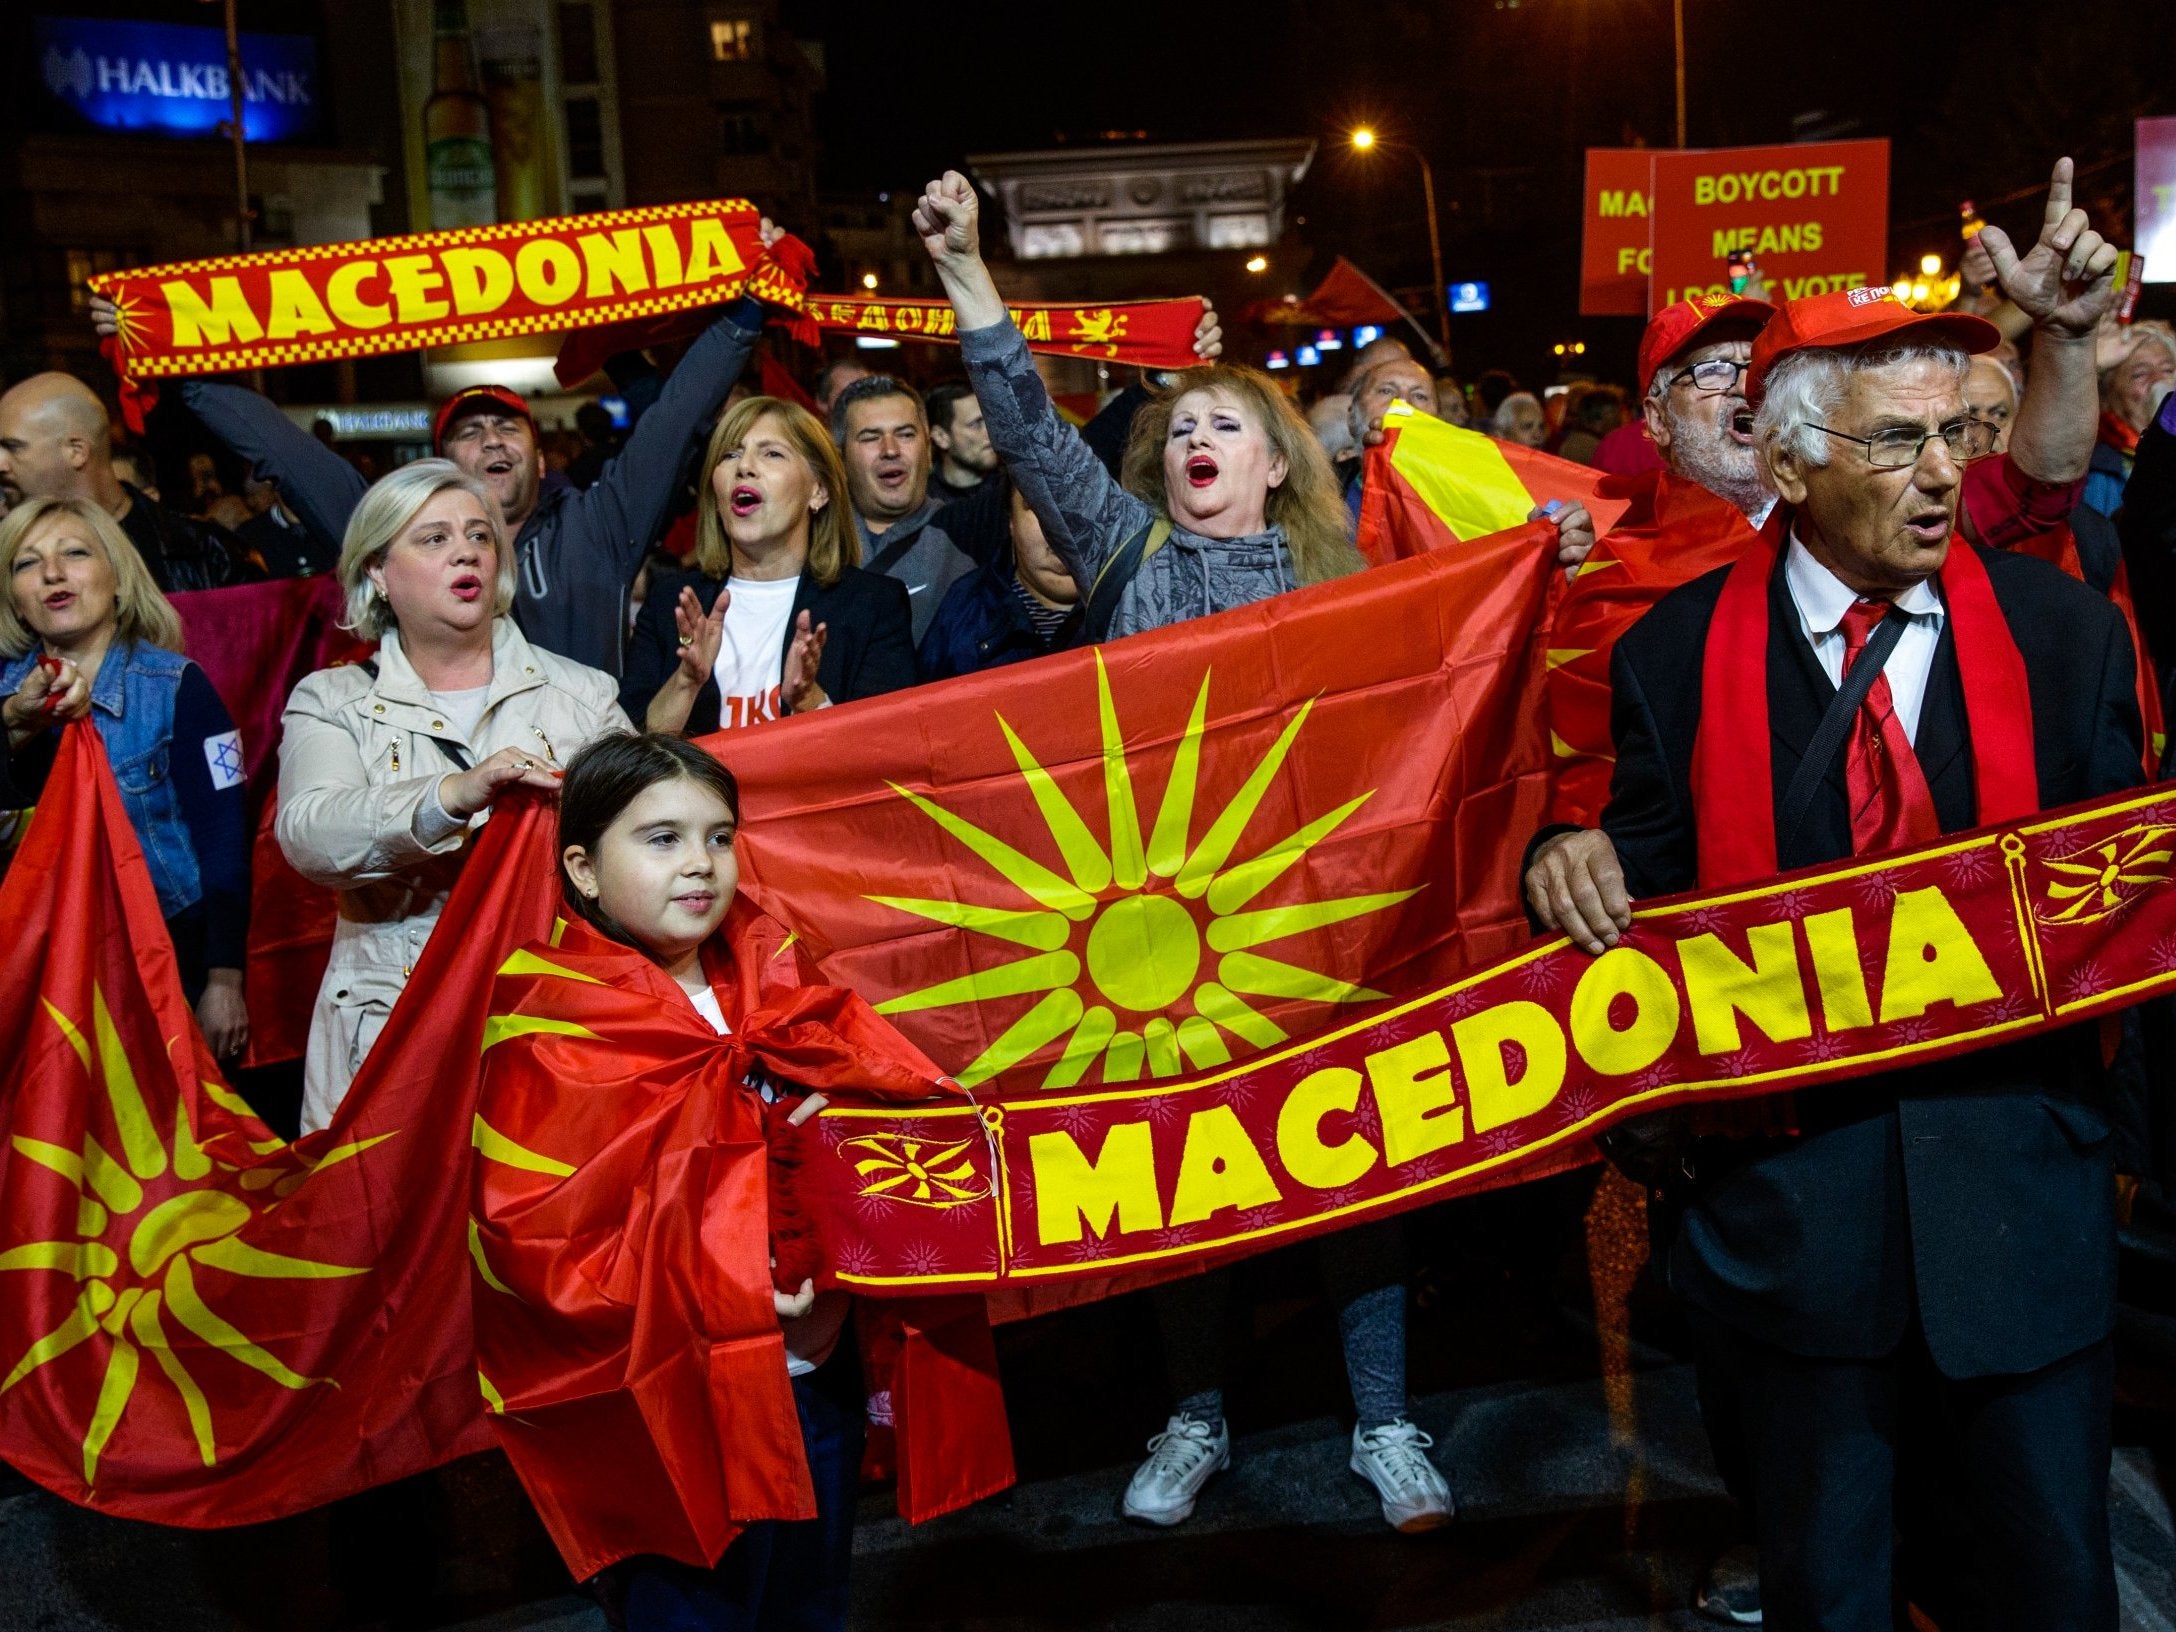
x=85 y=634
x=1224 y=498
x=386 y=764
x=779 y=616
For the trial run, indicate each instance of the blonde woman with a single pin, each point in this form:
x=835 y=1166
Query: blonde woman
x=779 y=618
x=1219 y=454
x=84 y=632
x=385 y=765
x=1249 y=508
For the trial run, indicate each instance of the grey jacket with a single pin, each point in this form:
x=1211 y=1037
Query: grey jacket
x=579 y=552
x=1086 y=515
x=929 y=564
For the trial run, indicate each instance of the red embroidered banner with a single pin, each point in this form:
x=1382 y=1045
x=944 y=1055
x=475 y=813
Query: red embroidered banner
x=1502 y=1075
x=435 y=288
x=1144 y=333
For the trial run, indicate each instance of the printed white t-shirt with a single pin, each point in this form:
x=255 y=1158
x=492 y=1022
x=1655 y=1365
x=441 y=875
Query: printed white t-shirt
x=752 y=656
x=811 y=1338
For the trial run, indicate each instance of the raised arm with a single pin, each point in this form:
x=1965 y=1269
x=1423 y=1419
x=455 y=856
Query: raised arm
x=2063 y=283
x=1085 y=513
x=624 y=513
x=319 y=486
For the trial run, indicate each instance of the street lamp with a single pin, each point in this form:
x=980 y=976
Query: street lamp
x=1258 y=263
x=868 y=280
x=1365 y=140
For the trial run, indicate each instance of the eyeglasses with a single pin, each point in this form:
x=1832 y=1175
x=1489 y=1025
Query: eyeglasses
x=1901 y=445
x=1716 y=374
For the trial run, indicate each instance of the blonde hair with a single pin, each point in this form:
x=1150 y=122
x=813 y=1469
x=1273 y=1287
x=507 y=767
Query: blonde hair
x=1307 y=504
x=834 y=542
x=383 y=514
x=141 y=614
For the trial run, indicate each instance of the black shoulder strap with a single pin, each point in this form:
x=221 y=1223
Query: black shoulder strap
x=1835 y=726
x=1118 y=572
x=446 y=745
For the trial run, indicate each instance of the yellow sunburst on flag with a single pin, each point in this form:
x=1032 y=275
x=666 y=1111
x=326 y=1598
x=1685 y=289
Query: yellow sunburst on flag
x=146 y=1220
x=2105 y=877
x=920 y=1172
x=1125 y=929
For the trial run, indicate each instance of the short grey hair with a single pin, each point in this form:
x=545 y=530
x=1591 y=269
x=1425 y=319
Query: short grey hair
x=383 y=514
x=1804 y=390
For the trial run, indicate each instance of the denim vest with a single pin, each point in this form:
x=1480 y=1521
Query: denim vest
x=132 y=703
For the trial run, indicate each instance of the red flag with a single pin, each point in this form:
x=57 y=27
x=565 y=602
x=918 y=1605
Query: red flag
x=1186 y=845
x=201 y=1324
x=625 y=1329
x=1431 y=484
x=254 y=641
x=1674 y=531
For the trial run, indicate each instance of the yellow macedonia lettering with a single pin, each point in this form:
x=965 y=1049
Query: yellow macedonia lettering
x=1071 y=1191
x=1299 y=1130
x=1415 y=1098
x=295 y=307
x=1833 y=941
x=1035 y=326
x=412 y=279
x=547 y=271
x=1624 y=982
x=221 y=320
x=1932 y=958
x=614 y=257
x=665 y=255
x=343 y=293
x=1219 y=1168
x=1484 y=1042
x=1768 y=991
x=711 y=252
x=479 y=280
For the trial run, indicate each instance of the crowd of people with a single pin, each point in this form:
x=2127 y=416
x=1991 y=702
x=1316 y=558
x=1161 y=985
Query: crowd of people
x=529 y=633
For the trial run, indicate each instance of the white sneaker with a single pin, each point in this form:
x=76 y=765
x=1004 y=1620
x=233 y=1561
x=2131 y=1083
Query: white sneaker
x=1394 y=1460
x=1181 y=1459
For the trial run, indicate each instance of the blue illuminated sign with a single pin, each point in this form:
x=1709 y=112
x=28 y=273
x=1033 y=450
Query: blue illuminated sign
x=170 y=80
x=1469 y=297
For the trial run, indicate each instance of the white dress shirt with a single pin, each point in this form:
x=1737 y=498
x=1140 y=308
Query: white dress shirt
x=1822 y=600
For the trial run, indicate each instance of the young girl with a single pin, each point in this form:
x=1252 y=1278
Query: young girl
x=663 y=1401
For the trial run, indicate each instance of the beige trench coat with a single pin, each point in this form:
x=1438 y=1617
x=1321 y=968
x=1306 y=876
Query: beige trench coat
x=356 y=763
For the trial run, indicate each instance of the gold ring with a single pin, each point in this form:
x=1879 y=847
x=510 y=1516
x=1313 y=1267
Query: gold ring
x=687 y=640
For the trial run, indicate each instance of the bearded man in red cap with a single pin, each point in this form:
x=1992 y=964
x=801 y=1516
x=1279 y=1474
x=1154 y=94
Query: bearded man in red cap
x=1943 y=1234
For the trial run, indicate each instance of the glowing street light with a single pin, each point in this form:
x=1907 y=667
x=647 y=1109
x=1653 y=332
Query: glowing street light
x=868 y=280
x=1364 y=140
x=1259 y=263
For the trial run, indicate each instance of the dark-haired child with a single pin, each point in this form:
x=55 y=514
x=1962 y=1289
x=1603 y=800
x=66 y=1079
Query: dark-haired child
x=663 y=1403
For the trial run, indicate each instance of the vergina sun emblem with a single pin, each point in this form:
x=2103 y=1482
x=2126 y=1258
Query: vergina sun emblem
x=1119 y=939
x=147 y=1218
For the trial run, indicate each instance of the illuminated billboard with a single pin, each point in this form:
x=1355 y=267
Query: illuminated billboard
x=166 y=79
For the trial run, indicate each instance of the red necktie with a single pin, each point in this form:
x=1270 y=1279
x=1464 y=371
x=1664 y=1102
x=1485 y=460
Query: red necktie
x=1891 y=805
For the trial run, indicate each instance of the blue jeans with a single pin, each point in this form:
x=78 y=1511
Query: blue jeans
x=776 y=1576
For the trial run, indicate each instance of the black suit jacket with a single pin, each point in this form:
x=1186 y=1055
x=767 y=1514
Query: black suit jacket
x=868 y=649
x=1977 y=1193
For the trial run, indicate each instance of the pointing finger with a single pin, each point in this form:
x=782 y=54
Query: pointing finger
x=2058 y=193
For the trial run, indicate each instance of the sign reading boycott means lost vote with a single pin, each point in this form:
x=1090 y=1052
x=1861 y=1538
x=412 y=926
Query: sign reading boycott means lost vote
x=1814 y=216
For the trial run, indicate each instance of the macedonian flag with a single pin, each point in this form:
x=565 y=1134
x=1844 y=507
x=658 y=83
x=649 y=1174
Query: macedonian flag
x=1431 y=484
x=200 y=1323
x=1152 y=857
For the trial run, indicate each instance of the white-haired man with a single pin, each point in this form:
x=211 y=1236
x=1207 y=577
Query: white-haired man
x=1879 y=1251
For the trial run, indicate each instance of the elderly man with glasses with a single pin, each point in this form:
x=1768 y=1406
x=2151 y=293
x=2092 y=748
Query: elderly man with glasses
x=1937 y=1244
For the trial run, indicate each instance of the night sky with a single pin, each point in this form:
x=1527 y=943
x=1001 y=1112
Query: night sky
x=1505 y=98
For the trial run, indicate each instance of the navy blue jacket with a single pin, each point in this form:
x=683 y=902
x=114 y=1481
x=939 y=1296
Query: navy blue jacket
x=981 y=624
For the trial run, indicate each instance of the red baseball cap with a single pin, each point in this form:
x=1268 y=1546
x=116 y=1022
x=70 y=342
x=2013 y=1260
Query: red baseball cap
x=1851 y=317
x=476 y=399
x=1679 y=324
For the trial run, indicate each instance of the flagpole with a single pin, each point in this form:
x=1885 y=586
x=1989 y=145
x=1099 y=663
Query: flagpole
x=234 y=115
x=1677 y=16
